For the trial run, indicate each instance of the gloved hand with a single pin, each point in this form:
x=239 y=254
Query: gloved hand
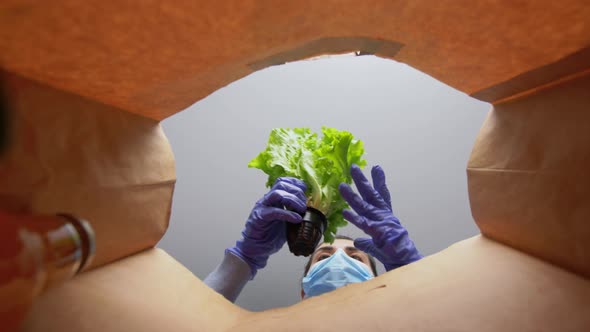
x=389 y=241
x=265 y=230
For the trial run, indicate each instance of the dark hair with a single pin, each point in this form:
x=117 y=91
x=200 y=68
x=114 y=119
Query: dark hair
x=343 y=237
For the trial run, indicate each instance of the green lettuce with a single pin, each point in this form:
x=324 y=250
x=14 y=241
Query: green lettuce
x=321 y=163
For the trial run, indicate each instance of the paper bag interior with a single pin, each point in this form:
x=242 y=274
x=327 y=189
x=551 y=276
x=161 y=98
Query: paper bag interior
x=87 y=83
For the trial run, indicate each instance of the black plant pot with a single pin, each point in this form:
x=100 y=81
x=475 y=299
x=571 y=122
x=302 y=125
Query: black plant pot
x=305 y=236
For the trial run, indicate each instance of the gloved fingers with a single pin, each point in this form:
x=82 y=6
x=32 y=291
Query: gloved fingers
x=368 y=193
x=281 y=198
x=380 y=185
x=359 y=221
x=275 y=214
x=355 y=201
x=292 y=181
x=365 y=245
x=290 y=188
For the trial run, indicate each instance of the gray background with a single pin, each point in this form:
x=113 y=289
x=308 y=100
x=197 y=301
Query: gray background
x=418 y=129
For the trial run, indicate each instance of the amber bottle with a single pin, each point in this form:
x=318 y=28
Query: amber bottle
x=36 y=253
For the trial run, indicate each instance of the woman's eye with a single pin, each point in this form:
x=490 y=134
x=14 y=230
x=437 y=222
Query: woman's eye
x=358 y=258
x=321 y=257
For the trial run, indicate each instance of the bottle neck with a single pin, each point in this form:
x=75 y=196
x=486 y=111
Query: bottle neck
x=36 y=253
x=43 y=249
x=69 y=247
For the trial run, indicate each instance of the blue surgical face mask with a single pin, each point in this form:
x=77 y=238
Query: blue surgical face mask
x=334 y=272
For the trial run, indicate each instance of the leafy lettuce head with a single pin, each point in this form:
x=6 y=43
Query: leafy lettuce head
x=321 y=163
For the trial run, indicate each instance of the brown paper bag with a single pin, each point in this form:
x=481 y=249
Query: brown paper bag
x=71 y=154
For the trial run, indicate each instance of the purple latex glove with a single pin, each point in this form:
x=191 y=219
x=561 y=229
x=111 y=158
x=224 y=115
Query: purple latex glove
x=389 y=242
x=265 y=230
